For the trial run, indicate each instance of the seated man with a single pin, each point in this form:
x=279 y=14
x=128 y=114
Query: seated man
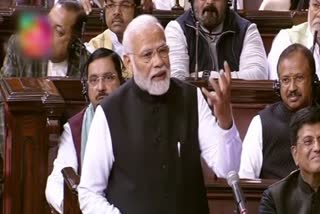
x=302 y=34
x=66 y=18
x=101 y=75
x=146 y=139
x=300 y=191
x=266 y=146
x=223 y=36
x=118 y=14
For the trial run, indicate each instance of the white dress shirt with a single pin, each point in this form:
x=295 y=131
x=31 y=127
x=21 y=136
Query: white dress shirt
x=59 y=69
x=281 y=42
x=251 y=156
x=221 y=149
x=66 y=157
x=253 y=59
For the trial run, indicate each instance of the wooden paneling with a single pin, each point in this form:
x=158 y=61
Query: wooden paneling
x=32 y=106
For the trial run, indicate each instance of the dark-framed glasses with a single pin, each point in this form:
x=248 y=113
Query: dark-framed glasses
x=106 y=79
x=147 y=55
x=124 y=6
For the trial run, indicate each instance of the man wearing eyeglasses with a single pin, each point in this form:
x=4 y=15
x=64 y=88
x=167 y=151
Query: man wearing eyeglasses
x=117 y=14
x=299 y=192
x=145 y=142
x=266 y=146
x=102 y=74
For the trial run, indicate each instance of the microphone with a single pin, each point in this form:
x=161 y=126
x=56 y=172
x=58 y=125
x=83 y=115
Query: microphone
x=197 y=51
x=314 y=41
x=233 y=182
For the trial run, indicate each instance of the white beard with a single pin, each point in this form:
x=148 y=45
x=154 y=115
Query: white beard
x=152 y=87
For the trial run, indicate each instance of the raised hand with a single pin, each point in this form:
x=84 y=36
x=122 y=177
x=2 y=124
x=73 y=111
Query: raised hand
x=220 y=98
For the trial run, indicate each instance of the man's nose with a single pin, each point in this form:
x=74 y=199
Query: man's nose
x=117 y=9
x=292 y=85
x=317 y=145
x=101 y=85
x=157 y=59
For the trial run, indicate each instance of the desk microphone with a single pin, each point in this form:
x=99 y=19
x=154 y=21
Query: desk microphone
x=233 y=182
x=314 y=41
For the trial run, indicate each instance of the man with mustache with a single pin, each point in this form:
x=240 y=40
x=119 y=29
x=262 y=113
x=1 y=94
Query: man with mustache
x=117 y=14
x=299 y=192
x=223 y=36
x=101 y=75
x=266 y=146
x=302 y=34
x=145 y=142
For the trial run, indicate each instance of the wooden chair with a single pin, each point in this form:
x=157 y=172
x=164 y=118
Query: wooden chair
x=71 y=181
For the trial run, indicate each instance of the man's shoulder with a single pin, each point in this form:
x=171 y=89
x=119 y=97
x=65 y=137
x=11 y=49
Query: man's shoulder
x=298 y=33
x=186 y=18
x=101 y=40
x=78 y=116
x=290 y=181
x=270 y=108
x=301 y=28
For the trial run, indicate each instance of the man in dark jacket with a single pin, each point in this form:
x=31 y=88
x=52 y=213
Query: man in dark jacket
x=299 y=192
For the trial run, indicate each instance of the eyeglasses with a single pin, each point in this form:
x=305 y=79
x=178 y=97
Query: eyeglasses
x=106 y=79
x=309 y=141
x=147 y=55
x=123 y=6
x=285 y=81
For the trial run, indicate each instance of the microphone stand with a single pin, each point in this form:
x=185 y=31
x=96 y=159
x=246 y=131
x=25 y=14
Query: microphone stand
x=197 y=51
x=177 y=6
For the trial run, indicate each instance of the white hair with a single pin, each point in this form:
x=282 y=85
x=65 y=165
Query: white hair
x=136 y=26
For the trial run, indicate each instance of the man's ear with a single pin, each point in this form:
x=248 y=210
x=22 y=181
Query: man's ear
x=127 y=62
x=294 y=154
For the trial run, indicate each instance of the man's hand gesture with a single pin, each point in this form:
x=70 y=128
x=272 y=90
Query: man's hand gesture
x=220 y=98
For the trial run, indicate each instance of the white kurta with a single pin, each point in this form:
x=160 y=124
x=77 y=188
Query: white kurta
x=251 y=156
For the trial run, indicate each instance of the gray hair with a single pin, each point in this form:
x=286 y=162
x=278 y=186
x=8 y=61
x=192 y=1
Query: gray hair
x=136 y=26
